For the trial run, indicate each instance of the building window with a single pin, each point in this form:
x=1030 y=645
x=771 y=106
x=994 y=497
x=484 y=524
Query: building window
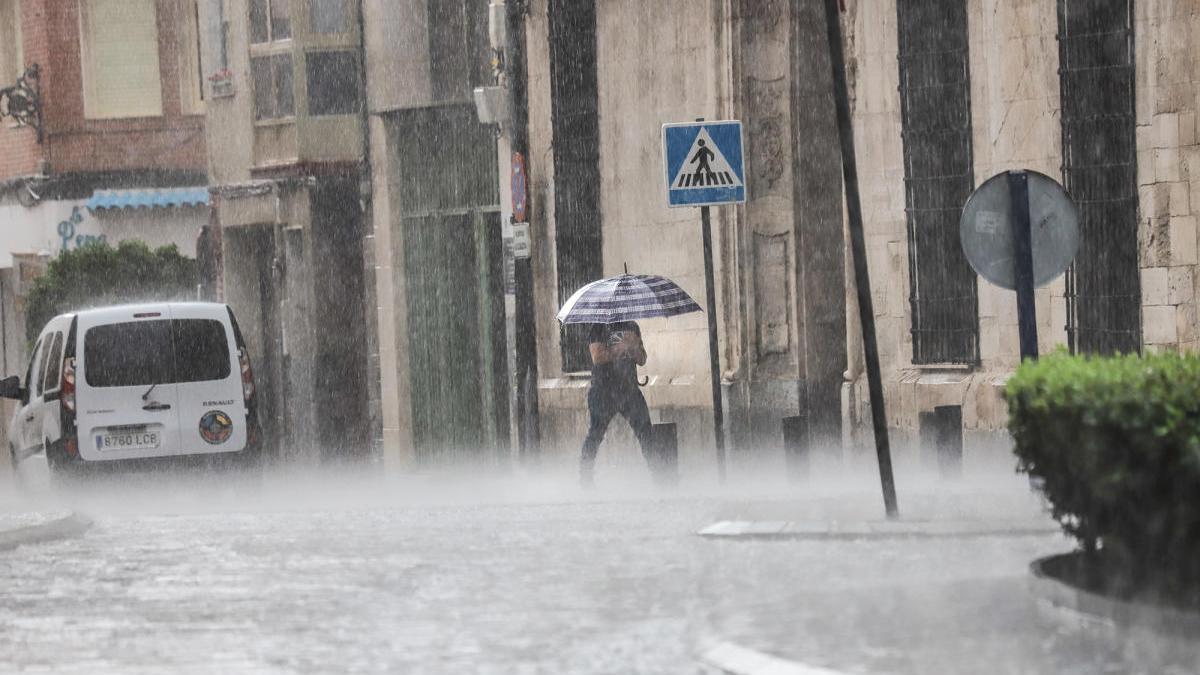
x=574 y=103
x=12 y=61
x=270 y=21
x=120 y=65
x=1095 y=47
x=273 y=96
x=329 y=16
x=191 y=90
x=333 y=83
x=935 y=106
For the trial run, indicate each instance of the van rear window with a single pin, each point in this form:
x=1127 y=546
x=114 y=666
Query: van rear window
x=160 y=351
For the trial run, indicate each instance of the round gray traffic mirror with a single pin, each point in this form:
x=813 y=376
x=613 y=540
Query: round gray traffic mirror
x=986 y=230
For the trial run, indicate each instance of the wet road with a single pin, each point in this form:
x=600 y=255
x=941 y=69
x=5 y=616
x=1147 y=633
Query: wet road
x=524 y=576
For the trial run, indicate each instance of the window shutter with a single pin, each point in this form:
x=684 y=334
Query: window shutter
x=121 y=73
x=1097 y=80
x=11 y=65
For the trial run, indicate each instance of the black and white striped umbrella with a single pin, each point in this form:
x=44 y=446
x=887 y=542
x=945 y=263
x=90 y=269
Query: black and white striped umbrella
x=625 y=298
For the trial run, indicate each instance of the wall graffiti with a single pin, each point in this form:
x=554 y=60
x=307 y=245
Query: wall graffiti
x=67 y=231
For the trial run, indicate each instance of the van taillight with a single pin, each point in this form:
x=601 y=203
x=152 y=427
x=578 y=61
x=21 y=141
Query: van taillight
x=247 y=374
x=67 y=391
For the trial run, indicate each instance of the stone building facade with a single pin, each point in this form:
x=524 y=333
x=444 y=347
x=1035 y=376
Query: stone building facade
x=1099 y=96
x=944 y=94
x=1122 y=143
x=780 y=259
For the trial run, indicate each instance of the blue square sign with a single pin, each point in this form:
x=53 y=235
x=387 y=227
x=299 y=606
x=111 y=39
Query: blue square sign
x=704 y=163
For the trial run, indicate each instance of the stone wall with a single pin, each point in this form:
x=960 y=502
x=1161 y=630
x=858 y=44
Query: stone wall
x=1013 y=58
x=1167 y=41
x=1017 y=124
x=779 y=260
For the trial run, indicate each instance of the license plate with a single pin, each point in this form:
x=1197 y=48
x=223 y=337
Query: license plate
x=128 y=440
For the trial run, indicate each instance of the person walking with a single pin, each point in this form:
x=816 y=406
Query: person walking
x=616 y=350
x=610 y=306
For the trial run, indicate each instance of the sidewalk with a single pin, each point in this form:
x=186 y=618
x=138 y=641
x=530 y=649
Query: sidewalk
x=928 y=508
x=811 y=529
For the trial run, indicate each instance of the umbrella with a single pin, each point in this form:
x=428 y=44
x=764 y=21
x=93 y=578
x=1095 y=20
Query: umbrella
x=625 y=298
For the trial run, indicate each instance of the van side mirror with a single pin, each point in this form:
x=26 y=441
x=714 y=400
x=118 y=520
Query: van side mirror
x=10 y=387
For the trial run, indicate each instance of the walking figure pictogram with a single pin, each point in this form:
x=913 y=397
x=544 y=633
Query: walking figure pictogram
x=704 y=174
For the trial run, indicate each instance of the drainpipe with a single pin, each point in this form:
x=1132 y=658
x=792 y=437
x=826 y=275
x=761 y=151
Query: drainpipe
x=4 y=326
x=370 y=291
x=279 y=289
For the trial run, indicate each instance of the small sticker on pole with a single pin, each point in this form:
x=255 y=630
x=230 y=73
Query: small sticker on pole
x=521 y=245
x=519 y=191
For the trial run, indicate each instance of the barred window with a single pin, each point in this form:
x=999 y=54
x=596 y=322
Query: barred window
x=1095 y=46
x=574 y=97
x=935 y=104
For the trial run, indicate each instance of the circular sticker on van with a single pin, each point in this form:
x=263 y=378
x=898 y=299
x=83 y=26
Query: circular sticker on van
x=216 y=427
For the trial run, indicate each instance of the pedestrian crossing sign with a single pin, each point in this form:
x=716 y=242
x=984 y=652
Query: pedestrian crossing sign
x=704 y=163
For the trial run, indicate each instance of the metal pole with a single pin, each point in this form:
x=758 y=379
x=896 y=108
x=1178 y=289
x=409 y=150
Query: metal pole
x=1018 y=190
x=858 y=248
x=714 y=356
x=528 y=422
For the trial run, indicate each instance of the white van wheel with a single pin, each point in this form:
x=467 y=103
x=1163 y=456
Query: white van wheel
x=18 y=475
x=60 y=470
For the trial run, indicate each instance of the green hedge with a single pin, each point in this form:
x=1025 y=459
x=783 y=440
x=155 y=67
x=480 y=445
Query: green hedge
x=1115 y=444
x=97 y=274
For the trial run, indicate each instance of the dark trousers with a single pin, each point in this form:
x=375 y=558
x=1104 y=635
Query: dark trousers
x=604 y=401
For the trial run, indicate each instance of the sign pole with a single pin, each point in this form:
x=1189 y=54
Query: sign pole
x=1018 y=190
x=858 y=246
x=525 y=339
x=714 y=356
x=705 y=166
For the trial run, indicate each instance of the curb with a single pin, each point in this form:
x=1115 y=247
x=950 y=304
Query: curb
x=1075 y=607
x=730 y=659
x=50 y=529
x=925 y=529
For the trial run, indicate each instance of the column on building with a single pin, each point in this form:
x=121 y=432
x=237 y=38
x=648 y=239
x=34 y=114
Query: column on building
x=791 y=244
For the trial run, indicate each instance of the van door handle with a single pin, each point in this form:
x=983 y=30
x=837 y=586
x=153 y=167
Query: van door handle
x=155 y=407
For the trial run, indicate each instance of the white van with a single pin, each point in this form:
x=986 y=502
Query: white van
x=135 y=382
